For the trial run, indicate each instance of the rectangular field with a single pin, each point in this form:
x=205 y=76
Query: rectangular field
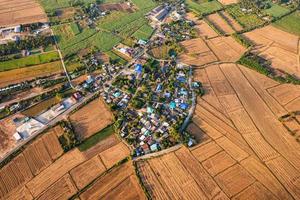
x=114 y=184
x=29 y=73
x=87 y=172
x=91 y=118
x=64 y=188
x=21 y=12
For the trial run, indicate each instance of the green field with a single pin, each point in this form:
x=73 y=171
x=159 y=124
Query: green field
x=112 y=29
x=75 y=28
x=52 y=5
x=144 y=33
x=29 y=61
x=276 y=10
x=247 y=20
x=290 y=23
x=205 y=7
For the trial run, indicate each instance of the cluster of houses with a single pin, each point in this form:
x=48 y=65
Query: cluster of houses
x=148 y=127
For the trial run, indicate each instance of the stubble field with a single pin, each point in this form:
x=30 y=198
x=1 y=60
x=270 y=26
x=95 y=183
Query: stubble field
x=91 y=118
x=279 y=47
x=17 y=12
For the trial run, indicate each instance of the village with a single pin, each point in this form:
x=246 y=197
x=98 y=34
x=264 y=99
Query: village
x=150 y=98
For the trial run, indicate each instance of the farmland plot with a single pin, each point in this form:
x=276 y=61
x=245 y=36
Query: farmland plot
x=220 y=23
x=64 y=188
x=18 y=12
x=108 y=185
x=280 y=47
x=91 y=118
x=87 y=172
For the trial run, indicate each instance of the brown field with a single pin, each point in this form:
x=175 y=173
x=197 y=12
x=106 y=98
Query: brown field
x=203 y=29
x=226 y=48
x=87 y=172
x=43 y=171
x=101 y=146
x=279 y=47
x=220 y=23
x=194 y=130
x=64 y=188
x=197 y=53
x=285 y=93
x=29 y=73
x=235 y=25
x=116 y=7
x=91 y=118
x=37 y=156
x=201 y=52
x=37 y=109
x=114 y=154
x=227 y=2
x=115 y=184
x=54 y=172
x=52 y=144
x=17 y=12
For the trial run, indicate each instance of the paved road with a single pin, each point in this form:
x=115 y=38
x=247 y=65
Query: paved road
x=51 y=123
x=193 y=107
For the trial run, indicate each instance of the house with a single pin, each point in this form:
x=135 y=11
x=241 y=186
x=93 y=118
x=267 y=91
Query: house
x=172 y=105
x=138 y=68
x=154 y=147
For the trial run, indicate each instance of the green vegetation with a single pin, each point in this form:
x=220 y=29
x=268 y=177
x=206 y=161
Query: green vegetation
x=246 y=20
x=144 y=33
x=262 y=66
x=143 y=4
x=276 y=10
x=112 y=29
x=206 y=7
x=290 y=23
x=29 y=61
x=75 y=28
x=91 y=141
x=52 y=5
x=114 y=58
x=242 y=40
x=68 y=140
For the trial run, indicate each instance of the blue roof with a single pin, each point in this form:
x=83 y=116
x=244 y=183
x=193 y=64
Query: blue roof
x=138 y=68
x=159 y=88
x=181 y=79
x=150 y=110
x=154 y=147
x=117 y=94
x=172 y=105
x=184 y=106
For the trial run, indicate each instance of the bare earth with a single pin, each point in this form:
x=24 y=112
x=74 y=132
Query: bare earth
x=15 y=12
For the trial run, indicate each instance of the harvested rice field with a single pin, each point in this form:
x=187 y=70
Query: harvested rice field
x=277 y=46
x=17 y=12
x=91 y=118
